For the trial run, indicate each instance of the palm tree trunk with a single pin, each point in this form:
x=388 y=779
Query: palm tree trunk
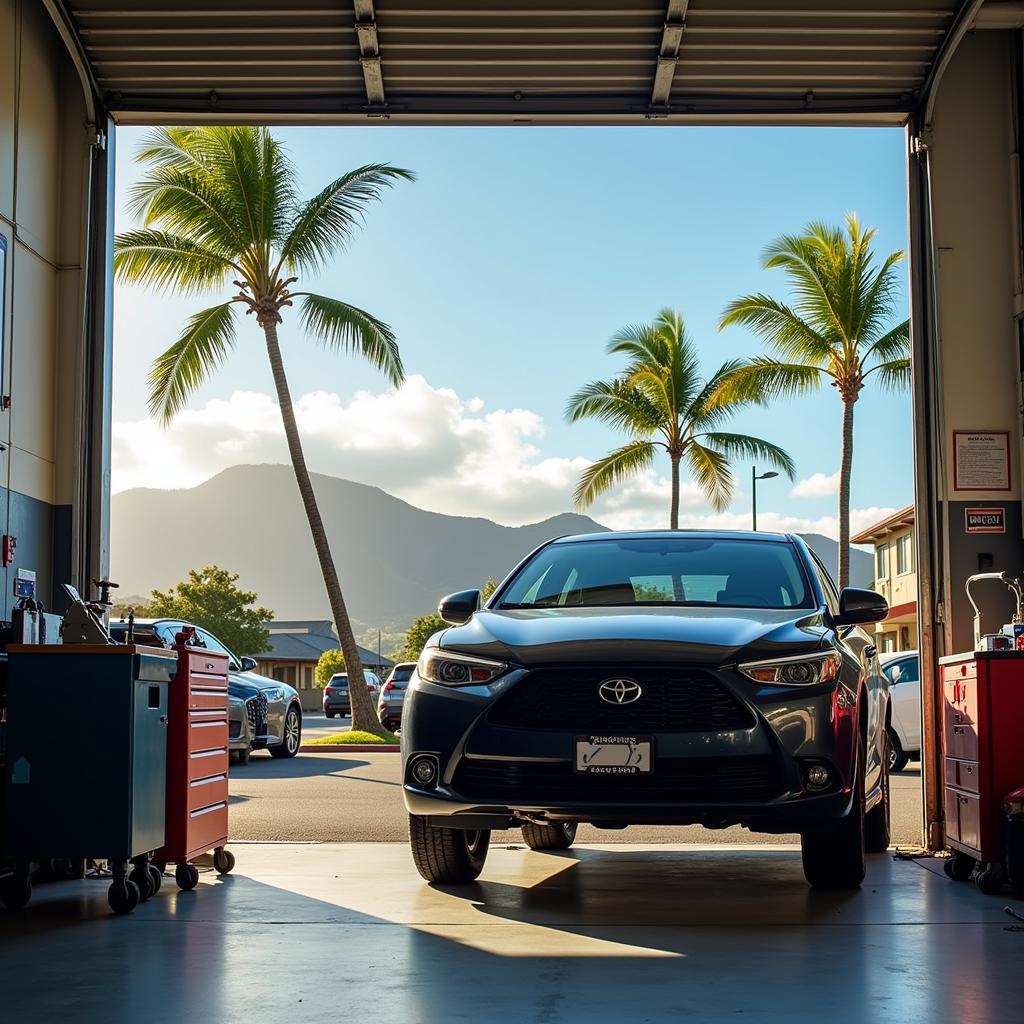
x=845 y=469
x=673 y=522
x=364 y=715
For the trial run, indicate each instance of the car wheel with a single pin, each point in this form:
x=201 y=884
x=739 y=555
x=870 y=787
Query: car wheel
x=292 y=739
x=898 y=757
x=330 y=714
x=833 y=857
x=878 y=821
x=447 y=855
x=549 y=837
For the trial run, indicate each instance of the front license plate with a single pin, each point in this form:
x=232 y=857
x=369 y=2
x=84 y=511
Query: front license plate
x=613 y=755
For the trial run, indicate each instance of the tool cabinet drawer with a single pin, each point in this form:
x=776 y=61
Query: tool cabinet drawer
x=969 y=819
x=207 y=734
x=952 y=804
x=963 y=774
x=206 y=792
x=960 y=718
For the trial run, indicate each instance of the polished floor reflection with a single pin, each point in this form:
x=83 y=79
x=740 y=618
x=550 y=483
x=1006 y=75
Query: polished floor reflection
x=348 y=932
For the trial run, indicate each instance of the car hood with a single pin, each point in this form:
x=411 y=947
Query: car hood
x=696 y=636
x=246 y=684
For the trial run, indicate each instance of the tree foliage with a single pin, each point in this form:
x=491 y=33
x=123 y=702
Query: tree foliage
x=662 y=402
x=328 y=663
x=211 y=598
x=421 y=630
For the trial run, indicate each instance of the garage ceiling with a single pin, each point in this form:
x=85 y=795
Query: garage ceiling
x=464 y=61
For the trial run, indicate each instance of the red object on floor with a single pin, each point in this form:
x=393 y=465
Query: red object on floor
x=983 y=715
x=197 y=755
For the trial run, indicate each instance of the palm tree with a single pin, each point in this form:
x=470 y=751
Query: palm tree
x=219 y=206
x=661 y=401
x=838 y=329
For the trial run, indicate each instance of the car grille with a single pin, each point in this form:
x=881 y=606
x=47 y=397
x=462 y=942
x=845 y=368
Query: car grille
x=256 y=709
x=673 y=780
x=673 y=700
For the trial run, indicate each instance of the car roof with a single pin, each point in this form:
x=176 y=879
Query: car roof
x=888 y=656
x=669 y=534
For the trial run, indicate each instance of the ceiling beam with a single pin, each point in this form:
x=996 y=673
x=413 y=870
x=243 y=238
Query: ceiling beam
x=668 y=53
x=369 y=52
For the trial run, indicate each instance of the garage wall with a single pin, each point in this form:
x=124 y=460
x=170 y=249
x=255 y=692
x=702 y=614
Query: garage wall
x=976 y=210
x=44 y=153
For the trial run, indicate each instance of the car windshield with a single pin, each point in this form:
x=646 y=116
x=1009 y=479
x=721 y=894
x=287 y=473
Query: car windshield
x=734 y=572
x=339 y=680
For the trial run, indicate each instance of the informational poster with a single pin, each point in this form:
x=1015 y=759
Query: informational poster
x=981 y=460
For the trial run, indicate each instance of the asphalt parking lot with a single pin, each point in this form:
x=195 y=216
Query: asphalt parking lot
x=357 y=798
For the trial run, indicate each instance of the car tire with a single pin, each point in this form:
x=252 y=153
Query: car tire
x=240 y=756
x=451 y=856
x=330 y=714
x=878 y=821
x=897 y=756
x=833 y=858
x=292 y=738
x=549 y=837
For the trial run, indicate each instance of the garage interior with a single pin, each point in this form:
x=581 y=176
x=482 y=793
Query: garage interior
x=554 y=937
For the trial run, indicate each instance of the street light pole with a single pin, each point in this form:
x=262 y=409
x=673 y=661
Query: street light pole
x=770 y=475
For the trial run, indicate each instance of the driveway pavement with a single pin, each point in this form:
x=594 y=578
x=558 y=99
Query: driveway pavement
x=358 y=798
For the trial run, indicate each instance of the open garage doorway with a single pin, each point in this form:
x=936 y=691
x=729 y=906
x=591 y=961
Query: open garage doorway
x=570 y=235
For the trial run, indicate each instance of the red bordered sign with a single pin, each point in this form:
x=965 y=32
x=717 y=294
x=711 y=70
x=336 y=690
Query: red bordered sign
x=985 y=520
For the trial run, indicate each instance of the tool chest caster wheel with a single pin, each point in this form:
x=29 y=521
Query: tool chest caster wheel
x=16 y=891
x=155 y=878
x=123 y=896
x=223 y=861
x=990 y=878
x=143 y=880
x=959 y=867
x=187 y=876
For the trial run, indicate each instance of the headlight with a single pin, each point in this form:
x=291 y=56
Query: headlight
x=451 y=669
x=274 y=693
x=803 y=670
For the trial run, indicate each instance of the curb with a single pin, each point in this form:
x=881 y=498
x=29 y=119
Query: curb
x=355 y=748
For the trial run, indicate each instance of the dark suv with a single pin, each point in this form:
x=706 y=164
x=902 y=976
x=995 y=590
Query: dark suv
x=652 y=678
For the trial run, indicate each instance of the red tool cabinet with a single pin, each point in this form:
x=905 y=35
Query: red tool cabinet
x=197 y=763
x=983 y=716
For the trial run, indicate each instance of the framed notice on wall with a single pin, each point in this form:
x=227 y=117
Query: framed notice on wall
x=981 y=460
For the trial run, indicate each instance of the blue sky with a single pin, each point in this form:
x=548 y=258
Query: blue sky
x=504 y=270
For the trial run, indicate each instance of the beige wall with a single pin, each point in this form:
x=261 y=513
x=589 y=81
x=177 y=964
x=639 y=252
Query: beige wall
x=976 y=210
x=44 y=149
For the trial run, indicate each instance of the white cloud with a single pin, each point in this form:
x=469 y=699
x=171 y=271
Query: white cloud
x=818 y=485
x=426 y=445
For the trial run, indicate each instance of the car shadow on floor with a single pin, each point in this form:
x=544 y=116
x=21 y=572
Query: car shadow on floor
x=301 y=766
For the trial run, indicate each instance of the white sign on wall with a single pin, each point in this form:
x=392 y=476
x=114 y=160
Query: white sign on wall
x=981 y=460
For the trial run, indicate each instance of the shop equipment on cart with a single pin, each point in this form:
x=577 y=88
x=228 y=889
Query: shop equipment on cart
x=197 y=762
x=983 y=717
x=85 y=777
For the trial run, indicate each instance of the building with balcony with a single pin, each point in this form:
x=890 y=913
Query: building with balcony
x=895 y=578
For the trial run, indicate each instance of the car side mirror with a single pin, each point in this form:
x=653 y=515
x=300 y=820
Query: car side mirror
x=459 y=608
x=248 y=664
x=860 y=606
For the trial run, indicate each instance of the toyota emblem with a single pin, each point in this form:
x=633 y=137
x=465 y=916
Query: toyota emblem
x=619 y=691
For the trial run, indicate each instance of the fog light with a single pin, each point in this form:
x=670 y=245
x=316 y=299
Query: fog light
x=818 y=777
x=423 y=770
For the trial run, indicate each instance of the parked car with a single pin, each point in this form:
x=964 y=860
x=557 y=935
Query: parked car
x=336 y=698
x=392 y=695
x=272 y=707
x=903 y=670
x=239 y=730
x=637 y=678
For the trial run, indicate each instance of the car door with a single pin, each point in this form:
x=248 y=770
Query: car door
x=863 y=648
x=905 y=693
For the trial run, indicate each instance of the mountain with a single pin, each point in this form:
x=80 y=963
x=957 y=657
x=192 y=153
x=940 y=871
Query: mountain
x=394 y=560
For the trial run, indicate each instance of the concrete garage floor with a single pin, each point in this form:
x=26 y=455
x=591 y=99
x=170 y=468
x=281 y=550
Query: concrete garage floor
x=621 y=933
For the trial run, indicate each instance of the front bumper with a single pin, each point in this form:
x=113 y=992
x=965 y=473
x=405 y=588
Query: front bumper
x=753 y=776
